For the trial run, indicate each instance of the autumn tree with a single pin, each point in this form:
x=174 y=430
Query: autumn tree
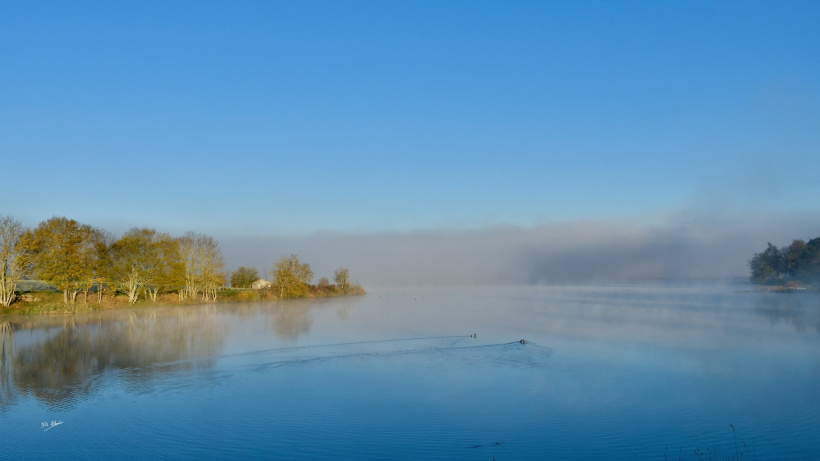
x=342 y=278
x=134 y=258
x=244 y=277
x=291 y=277
x=203 y=266
x=190 y=262
x=13 y=258
x=95 y=257
x=168 y=274
x=144 y=260
x=60 y=256
x=212 y=268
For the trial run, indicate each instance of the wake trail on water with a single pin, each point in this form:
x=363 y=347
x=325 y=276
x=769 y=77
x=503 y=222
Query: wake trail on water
x=432 y=354
x=450 y=352
x=354 y=343
x=511 y=354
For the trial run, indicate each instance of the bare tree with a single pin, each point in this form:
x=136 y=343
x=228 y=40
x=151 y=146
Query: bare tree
x=12 y=258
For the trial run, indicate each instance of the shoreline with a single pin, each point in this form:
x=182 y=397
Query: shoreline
x=50 y=302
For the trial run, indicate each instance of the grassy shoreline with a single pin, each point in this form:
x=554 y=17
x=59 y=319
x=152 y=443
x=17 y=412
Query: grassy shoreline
x=51 y=302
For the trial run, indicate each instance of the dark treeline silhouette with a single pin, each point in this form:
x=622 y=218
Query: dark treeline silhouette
x=797 y=263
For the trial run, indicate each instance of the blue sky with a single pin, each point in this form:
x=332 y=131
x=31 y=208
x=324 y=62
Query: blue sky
x=289 y=118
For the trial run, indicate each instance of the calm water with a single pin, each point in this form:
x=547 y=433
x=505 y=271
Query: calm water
x=606 y=372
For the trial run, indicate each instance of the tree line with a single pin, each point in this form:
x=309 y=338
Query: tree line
x=77 y=258
x=797 y=262
x=292 y=278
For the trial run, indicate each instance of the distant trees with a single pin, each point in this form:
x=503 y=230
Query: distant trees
x=807 y=267
x=244 y=277
x=13 y=258
x=767 y=265
x=342 y=278
x=77 y=258
x=291 y=277
x=793 y=256
x=799 y=261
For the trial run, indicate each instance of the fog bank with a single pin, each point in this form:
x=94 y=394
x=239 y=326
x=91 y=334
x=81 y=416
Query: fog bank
x=566 y=253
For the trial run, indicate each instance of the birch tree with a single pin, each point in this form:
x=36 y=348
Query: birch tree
x=212 y=268
x=95 y=258
x=190 y=262
x=134 y=259
x=203 y=266
x=13 y=258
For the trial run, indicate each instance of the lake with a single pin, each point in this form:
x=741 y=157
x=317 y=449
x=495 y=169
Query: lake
x=694 y=370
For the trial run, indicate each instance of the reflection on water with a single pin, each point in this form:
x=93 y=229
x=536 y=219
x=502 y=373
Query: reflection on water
x=291 y=320
x=6 y=363
x=606 y=372
x=799 y=309
x=61 y=367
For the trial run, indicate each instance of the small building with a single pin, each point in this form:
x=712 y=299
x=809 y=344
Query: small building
x=261 y=284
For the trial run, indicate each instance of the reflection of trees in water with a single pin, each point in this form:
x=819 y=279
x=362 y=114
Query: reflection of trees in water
x=7 y=396
x=799 y=309
x=62 y=367
x=291 y=319
x=343 y=310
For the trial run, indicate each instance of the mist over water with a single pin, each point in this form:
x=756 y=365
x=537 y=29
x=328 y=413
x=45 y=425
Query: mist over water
x=685 y=246
x=614 y=372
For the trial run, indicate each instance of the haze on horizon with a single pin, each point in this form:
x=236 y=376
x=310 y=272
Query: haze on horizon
x=425 y=142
